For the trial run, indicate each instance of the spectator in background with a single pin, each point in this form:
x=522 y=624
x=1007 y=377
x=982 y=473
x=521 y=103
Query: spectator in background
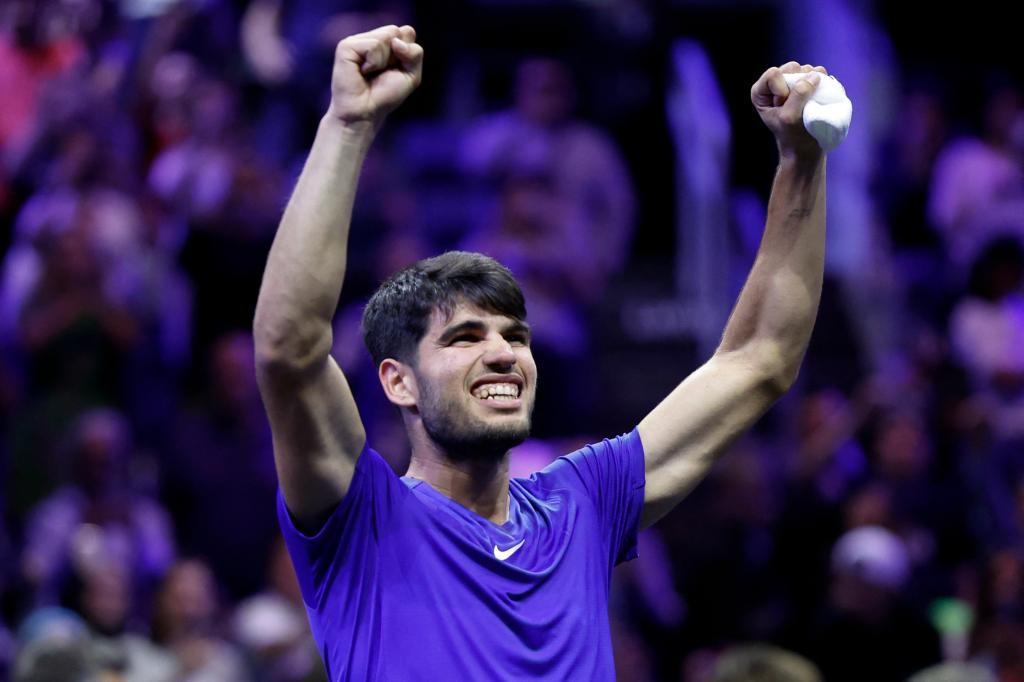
x=905 y=164
x=71 y=329
x=826 y=464
x=97 y=517
x=728 y=564
x=827 y=458
x=186 y=621
x=903 y=171
x=865 y=631
x=220 y=481
x=84 y=164
x=579 y=166
x=211 y=178
x=194 y=172
x=901 y=454
x=103 y=595
x=646 y=610
x=977 y=189
x=272 y=627
x=987 y=333
x=929 y=508
x=37 y=47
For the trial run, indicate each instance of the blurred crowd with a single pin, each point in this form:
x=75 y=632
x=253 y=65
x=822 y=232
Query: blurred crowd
x=873 y=523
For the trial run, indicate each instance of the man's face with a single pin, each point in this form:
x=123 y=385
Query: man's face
x=476 y=382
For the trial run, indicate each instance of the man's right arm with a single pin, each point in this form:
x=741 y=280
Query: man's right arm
x=316 y=427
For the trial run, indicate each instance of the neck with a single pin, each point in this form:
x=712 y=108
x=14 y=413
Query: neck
x=480 y=486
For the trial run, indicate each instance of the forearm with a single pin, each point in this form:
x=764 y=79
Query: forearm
x=306 y=265
x=775 y=312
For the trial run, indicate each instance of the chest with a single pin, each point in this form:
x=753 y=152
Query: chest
x=549 y=554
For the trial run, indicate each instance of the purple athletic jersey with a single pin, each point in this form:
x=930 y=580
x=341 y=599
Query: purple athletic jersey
x=402 y=583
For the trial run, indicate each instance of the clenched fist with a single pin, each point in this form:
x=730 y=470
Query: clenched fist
x=373 y=73
x=781 y=107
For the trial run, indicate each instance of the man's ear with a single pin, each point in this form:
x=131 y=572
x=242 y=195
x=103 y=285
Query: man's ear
x=398 y=382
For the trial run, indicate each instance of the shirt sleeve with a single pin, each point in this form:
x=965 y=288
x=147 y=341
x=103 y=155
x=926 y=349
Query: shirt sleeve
x=349 y=537
x=611 y=475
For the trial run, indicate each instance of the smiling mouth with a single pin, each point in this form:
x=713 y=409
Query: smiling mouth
x=497 y=392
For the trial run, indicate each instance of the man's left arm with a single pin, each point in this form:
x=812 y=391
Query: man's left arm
x=766 y=336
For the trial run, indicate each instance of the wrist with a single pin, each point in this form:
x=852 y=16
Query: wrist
x=802 y=161
x=358 y=134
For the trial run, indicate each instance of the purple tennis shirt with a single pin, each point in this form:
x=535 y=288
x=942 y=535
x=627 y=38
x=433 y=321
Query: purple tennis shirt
x=402 y=583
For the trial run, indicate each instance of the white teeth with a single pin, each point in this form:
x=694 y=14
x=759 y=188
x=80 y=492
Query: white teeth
x=497 y=392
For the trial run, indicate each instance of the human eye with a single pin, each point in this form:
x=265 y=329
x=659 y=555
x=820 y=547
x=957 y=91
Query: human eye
x=463 y=339
x=518 y=338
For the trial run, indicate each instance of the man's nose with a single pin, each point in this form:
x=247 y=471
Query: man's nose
x=499 y=353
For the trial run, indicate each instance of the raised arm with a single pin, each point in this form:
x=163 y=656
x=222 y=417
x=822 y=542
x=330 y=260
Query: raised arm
x=766 y=336
x=316 y=427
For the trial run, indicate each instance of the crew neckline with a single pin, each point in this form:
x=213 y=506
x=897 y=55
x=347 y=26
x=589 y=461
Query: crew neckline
x=513 y=506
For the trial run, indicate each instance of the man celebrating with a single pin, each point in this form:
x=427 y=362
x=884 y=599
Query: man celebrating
x=456 y=571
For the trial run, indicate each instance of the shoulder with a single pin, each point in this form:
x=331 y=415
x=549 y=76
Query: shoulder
x=371 y=497
x=620 y=457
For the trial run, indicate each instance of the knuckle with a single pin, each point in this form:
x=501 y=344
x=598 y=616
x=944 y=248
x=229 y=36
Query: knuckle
x=345 y=46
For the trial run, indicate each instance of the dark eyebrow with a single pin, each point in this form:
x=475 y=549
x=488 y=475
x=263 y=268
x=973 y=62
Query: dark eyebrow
x=467 y=326
x=514 y=327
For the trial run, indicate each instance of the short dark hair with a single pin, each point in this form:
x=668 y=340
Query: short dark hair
x=398 y=313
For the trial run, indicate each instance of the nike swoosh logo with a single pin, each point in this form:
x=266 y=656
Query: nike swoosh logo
x=502 y=554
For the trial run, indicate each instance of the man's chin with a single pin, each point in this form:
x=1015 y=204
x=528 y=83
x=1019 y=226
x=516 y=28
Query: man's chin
x=486 y=442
